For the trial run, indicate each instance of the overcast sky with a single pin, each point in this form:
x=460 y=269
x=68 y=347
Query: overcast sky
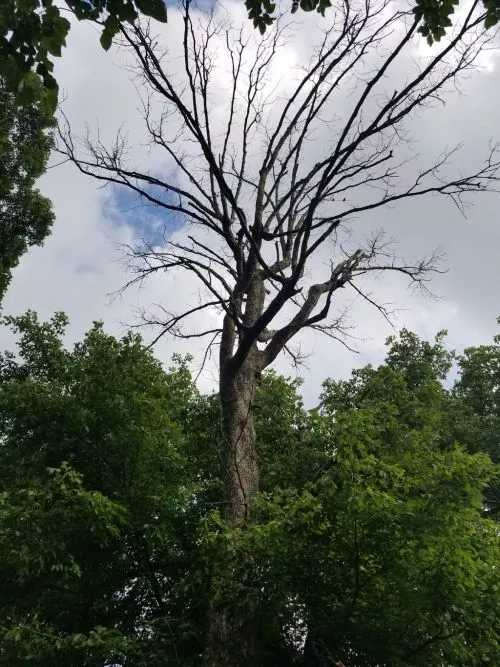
x=78 y=267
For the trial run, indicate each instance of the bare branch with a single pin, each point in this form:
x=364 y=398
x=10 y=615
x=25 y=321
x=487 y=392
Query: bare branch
x=276 y=174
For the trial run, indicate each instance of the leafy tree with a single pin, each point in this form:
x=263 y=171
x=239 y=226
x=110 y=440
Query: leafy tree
x=25 y=143
x=433 y=16
x=34 y=31
x=478 y=388
x=94 y=521
x=31 y=33
x=368 y=543
x=361 y=559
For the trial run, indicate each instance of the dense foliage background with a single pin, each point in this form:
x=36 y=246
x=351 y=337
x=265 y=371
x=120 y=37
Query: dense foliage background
x=374 y=539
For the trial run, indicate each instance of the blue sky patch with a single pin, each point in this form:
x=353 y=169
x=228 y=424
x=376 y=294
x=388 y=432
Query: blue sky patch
x=150 y=221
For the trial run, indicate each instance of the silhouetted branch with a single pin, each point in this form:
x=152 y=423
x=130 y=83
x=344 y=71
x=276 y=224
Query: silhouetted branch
x=255 y=207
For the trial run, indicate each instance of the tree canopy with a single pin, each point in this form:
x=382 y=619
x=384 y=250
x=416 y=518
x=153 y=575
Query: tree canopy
x=370 y=543
x=32 y=32
x=478 y=390
x=25 y=142
x=434 y=16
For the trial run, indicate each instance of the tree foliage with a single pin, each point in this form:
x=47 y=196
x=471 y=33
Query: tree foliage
x=25 y=143
x=434 y=16
x=369 y=543
x=478 y=389
x=32 y=32
x=95 y=517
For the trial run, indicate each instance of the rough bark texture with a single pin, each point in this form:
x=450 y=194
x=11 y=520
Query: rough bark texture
x=231 y=634
x=240 y=461
x=231 y=641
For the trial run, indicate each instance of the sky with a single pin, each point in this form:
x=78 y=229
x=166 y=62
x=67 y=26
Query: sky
x=80 y=270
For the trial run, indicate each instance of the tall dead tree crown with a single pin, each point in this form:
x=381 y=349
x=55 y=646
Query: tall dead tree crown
x=256 y=206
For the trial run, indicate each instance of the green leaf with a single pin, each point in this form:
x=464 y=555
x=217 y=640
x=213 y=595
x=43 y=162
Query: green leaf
x=157 y=9
x=111 y=27
x=491 y=20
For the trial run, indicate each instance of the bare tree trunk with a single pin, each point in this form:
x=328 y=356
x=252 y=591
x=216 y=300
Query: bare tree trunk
x=231 y=637
x=240 y=461
x=232 y=631
x=240 y=373
x=231 y=628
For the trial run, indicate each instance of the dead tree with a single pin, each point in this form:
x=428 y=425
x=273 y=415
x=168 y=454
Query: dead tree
x=257 y=205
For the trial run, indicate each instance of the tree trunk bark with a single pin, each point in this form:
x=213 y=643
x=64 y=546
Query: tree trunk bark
x=231 y=627
x=240 y=460
x=231 y=641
